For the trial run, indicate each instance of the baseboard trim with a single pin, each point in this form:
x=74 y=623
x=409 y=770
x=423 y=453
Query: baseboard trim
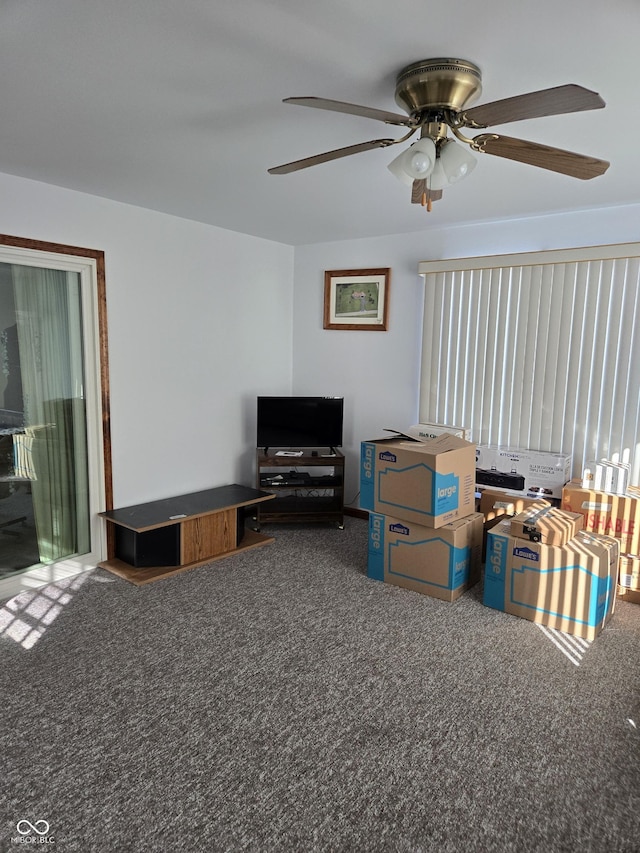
x=356 y=512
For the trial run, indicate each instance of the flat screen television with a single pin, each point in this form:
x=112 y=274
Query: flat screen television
x=298 y=422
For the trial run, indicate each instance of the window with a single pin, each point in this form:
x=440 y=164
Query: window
x=537 y=350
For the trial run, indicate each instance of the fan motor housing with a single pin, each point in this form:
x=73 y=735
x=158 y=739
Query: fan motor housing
x=432 y=84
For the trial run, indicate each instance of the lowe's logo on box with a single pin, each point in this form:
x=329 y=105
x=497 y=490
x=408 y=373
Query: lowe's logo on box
x=399 y=528
x=526 y=554
x=387 y=456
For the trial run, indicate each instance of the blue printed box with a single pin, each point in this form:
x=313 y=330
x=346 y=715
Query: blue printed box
x=442 y=563
x=426 y=482
x=570 y=587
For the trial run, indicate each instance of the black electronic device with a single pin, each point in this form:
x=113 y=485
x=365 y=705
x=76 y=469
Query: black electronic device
x=502 y=479
x=299 y=422
x=299 y=478
x=532 y=532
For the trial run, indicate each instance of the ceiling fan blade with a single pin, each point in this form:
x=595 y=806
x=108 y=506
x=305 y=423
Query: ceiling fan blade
x=421 y=193
x=543 y=156
x=329 y=155
x=546 y=102
x=351 y=109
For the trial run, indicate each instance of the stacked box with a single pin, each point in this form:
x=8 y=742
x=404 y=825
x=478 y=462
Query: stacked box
x=614 y=515
x=629 y=571
x=427 y=482
x=543 y=523
x=533 y=473
x=424 y=532
x=609 y=514
x=629 y=578
x=569 y=587
x=631 y=595
x=442 y=562
x=606 y=476
x=496 y=504
x=424 y=432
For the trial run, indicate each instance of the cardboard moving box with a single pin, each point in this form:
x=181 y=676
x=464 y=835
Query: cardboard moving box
x=496 y=503
x=544 y=523
x=442 y=563
x=427 y=482
x=423 y=432
x=611 y=515
x=631 y=595
x=569 y=587
x=606 y=476
x=629 y=571
x=534 y=473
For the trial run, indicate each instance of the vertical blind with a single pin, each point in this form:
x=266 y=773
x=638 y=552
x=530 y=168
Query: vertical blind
x=538 y=351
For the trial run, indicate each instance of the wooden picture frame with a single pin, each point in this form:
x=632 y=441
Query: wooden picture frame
x=357 y=299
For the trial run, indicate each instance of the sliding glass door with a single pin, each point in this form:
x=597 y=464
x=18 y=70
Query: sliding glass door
x=51 y=442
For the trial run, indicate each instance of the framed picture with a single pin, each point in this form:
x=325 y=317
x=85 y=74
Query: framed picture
x=356 y=299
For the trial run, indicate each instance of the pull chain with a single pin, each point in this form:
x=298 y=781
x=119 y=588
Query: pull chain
x=426 y=201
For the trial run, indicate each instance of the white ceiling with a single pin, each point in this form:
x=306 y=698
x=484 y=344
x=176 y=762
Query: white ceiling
x=177 y=106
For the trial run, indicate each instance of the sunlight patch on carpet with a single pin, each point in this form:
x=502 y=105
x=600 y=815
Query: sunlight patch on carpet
x=26 y=617
x=573 y=648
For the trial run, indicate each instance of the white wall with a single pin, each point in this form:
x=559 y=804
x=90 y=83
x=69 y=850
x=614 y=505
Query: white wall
x=202 y=320
x=378 y=372
x=188 y=308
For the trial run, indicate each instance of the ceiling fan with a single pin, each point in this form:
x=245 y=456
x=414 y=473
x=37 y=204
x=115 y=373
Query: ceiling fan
x=437 y=95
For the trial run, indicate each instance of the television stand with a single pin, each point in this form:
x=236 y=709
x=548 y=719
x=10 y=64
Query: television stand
x=161 y=538
x=306 y=488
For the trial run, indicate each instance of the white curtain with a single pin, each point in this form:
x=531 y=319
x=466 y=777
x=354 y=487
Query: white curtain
x=538 y=351
x=48 y=312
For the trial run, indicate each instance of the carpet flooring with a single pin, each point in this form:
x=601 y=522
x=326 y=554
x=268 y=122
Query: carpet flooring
x=280 y=700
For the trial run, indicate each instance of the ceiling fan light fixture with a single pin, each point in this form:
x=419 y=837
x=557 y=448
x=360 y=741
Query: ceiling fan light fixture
x=420 y=159
x=456 y=161
x=396 y=167
x=437 y=95
x=416 y=162
x=437 y=179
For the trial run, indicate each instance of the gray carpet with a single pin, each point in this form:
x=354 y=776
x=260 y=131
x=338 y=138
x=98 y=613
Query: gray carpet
x=281 y=701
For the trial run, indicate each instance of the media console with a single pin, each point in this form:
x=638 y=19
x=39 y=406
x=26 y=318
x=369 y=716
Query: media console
x=307 y=487
x=161 y=538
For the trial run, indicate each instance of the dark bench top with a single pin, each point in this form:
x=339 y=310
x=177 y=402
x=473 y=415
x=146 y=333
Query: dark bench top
x=173 y=510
